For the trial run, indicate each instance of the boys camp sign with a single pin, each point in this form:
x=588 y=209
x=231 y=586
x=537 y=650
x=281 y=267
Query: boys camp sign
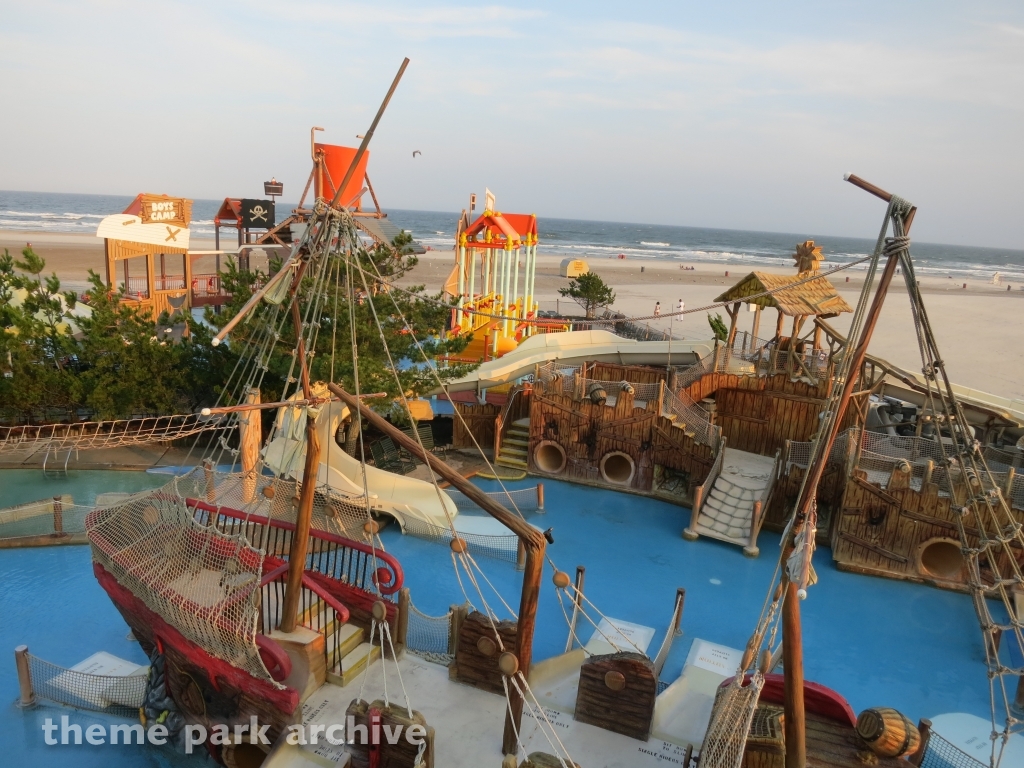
x=157 y=209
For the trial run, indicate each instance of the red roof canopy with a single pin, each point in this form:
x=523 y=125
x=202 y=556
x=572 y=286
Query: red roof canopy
x=230 y=211
x=510 y=228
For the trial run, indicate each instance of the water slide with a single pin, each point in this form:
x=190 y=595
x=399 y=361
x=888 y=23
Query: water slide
x=404 y=498
x=574 y=348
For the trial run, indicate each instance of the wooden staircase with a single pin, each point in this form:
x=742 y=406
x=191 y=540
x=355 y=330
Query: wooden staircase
x=347 y=652
x=513 y=448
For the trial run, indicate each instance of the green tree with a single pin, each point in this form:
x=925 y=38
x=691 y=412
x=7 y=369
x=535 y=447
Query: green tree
x=718 y=326
x=590 y=292
x=425 y=317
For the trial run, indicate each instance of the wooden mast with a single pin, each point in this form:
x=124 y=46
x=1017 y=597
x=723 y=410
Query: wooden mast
x=304 y=515
x=792 y=647
x=532 y=540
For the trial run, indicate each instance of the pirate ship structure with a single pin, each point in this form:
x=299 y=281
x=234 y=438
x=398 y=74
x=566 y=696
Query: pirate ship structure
x=267 y=591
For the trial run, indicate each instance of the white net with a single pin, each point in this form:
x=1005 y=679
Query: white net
x=733 y=711
x=201 y=581
x=105 y=434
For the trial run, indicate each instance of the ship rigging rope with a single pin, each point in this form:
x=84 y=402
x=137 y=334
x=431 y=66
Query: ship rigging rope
x=412 y=334
x=725 y=741
x=464 y=556
x=997 y=530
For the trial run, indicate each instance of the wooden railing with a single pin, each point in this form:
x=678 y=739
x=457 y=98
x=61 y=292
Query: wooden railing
x=672 y=632
x=516 y=406
x=761 y=504
x=701 y=492
x=340 y=572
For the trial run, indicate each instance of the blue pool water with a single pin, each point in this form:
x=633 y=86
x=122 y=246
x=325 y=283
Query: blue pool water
x=876 y=641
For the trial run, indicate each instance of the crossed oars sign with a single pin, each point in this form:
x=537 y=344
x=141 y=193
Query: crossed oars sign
x=172 y=234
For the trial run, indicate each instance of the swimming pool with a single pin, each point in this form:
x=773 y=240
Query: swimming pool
x=876 y=641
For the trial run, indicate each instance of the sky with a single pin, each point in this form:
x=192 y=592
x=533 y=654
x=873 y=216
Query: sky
x=741 y=115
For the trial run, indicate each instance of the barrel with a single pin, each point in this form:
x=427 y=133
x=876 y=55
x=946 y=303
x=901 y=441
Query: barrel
x=596 y=393
x=887 y=732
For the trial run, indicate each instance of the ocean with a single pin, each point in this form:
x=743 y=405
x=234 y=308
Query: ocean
x=57 y=212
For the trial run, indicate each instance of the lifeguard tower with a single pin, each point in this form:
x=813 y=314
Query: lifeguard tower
x=490 y=255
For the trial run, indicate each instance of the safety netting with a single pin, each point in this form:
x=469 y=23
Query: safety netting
x=113 y=694
x=57 y=516
x=200 y=580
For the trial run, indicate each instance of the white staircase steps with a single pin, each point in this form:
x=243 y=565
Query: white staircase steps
x=727 y=511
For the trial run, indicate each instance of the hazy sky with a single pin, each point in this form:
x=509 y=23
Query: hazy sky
x=727 y=114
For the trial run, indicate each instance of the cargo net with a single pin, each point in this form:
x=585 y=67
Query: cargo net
x=430 y=636
x=731 y=717
x=105 y=434
x=201 y=581
x=115 y=695
x=941 y=754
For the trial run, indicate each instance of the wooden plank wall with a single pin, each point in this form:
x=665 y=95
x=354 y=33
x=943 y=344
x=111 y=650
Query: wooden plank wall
x=471 y=665
x=629 y=711
x=786 y=494
x=479 y=420
x=882 y=532
x=759 y=413
x=634 y=374
x=587 y=431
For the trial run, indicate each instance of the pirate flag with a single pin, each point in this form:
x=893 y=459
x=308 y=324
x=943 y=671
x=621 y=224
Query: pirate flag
x=257 y=214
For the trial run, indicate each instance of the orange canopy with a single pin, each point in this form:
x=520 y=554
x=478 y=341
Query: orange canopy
x=504 y=228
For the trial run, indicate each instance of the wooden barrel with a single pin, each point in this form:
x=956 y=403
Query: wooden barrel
x=597 y=394
x=887 y=732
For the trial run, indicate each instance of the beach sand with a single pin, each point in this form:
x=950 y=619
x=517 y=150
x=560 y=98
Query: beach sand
x=979 y=329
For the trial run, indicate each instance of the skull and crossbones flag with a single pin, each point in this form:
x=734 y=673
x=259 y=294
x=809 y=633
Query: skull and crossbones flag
x=257 y=214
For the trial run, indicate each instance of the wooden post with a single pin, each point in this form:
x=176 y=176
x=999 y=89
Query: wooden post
x=520 y=556
x=1019 y=700
x=250 y=429
x=751 y=549
x=577 y=606
x=26 y=697
x=1011 y=476
x=58 y=516
x=540 y=497
x=524 y=643
x=778 y=325
x=300 y=537
x=459 y=614
x=211 y=481
x=533 y=542
x=734 y=314
x=402 y=627
x=793 y=663
x=796 y=744
x=304 y=514
x=924 y=727
x=681 y=600
x=929 y=468
x=757 y=323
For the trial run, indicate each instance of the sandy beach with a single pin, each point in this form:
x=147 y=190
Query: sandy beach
x=979 y=327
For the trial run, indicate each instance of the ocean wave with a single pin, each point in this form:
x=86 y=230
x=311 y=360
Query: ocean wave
x=663 y=245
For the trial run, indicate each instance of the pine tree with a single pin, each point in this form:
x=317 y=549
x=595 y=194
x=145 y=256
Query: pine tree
x=590 y=292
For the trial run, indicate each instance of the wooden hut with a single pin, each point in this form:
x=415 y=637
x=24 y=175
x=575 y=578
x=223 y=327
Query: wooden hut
x=146 y=250
x=800 y=296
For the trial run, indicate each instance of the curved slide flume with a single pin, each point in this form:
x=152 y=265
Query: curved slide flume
x=403 y=498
